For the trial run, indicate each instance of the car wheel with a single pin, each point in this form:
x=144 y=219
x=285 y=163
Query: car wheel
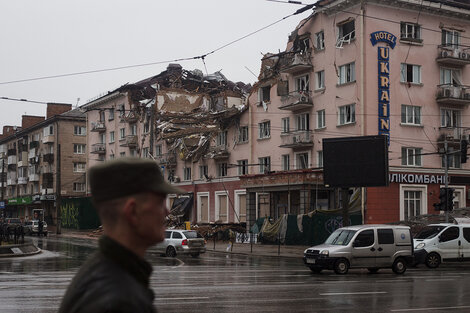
x=341 y=266
x=433 y=260
x=373 y=270
x=399 y=266
x=170 y=252
x=195 y=255
x=316 y=270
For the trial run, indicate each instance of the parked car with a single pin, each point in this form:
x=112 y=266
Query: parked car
x=32 y=227
x=179 y=241
x=437 y=243
x=363 y=246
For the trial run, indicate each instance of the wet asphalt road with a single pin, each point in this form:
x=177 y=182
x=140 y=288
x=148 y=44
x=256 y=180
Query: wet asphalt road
x=216 y=282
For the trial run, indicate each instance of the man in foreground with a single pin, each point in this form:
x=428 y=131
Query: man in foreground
x=129 y=195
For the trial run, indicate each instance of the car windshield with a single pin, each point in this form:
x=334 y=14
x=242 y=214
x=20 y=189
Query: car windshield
x=340 y=237
x=429 y=232
x=191 y=234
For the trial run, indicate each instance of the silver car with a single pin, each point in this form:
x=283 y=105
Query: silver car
x=179 y=241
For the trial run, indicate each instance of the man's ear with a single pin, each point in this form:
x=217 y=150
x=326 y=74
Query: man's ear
x=130 y=211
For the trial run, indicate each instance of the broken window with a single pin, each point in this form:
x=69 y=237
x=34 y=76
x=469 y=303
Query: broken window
x=221 y=169
x=347 y=73
x=203 y=172
x=347 y=114
x=121 y=110
x=221 y=139
x=264 y=94
x=243 y=134
x=242 y=167
x=264 y=165
x=302 y=160
x=187 y=173
x=320 y=40
x=346 y=31
x=302 y=83
x=264 y=129
x=283 y=88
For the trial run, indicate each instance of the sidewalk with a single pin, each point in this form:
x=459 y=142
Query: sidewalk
x=256 y=249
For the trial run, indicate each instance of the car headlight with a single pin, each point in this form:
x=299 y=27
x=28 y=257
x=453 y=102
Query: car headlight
x=420 y=245
x=306 y=250
x=325 y=253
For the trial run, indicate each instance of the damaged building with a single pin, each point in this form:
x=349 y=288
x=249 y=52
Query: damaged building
x=188 y=123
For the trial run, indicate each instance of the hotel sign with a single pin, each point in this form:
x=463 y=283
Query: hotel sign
x=383 y=56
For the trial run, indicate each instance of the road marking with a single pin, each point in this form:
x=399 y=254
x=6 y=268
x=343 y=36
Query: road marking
x=441 y=279
x=352 y=293
x=185 y=298
x=434 y=308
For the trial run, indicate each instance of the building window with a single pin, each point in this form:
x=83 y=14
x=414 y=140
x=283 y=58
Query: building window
x=301 y=160
x=410 y=31
x=111 y=157
x=102 y=118
x=187 y=173
x=122 y=133
x=221 y=139
x=320 y=158
x=264 y=94
x=79 y=167
x=450 y=38
x=285 y=162
x=321 y=119
x=145 y=152
x=49 y=130
x=243 y=134
x=453 y=159
x=449 y=76
x=146 y=128
x=111 y=114
x=264 y=164
x=133 y=129
x=102 y=138
x=264 y=129
x=221 y=169
x=410 y=73
x=411 y=156
x=410 y=114
x=347 y=73
x=203 y=172
x=320 y=80
x=302 y=121
x=122 y=154
x=242 y=167
x=79 y=187
x=412 y=203
x=346 y=32
x=320 y=40
x=302 y=83
x=285 y=125
x=122 y=110
x=79 y=130
x=133 y=152
x=158 y=150
x=79 y=148
x=111 y=137
x=347 y=114
x=450 y=118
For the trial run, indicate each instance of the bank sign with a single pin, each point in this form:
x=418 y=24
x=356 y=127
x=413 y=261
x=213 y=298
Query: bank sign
x=383 y=58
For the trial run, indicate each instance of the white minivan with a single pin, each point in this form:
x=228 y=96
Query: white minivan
x=363 y=246
x=437 y=243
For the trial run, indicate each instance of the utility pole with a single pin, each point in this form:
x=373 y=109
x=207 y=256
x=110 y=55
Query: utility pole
x=446 y=176
x=3 y=186
x=59 y=191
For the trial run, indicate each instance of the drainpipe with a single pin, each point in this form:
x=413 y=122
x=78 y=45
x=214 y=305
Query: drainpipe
x=362 y=96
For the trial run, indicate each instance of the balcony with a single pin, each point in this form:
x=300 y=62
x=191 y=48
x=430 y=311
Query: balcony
x=11 y=181
x=218 y=152
x=166 y=159
x=33 y=177
x=454 y=57
x=11 y=160
x=297 y=139
x=98 y=127
x=451 y=135
x=22 y=180
x=48 y=157
x=98 y=148
x=48 y=139
x=293 y=63
x=450 y=94
x=296 y=100
x=24 y=159
x=129 y=141
x=129 y=117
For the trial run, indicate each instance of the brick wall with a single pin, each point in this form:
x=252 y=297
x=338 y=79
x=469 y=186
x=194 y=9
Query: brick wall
x=57 y=108
x=29 y=120
x=9 y=130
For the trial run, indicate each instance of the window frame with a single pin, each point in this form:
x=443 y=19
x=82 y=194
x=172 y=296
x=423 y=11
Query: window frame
x=264 y=130
x=264 y=164
x=414 y=69
x=79 y=148
x=411 y=156
x=347 y=73
x=410 y=35
x=346 y=114
x=320 y=80
x=410 y=112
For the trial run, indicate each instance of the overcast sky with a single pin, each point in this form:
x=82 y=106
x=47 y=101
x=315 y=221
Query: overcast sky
x=54 y=37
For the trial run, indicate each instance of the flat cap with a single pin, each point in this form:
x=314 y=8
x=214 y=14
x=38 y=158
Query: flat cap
x=127 y=176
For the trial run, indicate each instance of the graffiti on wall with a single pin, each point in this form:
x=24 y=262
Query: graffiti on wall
x=69 y=216
x=334 y=223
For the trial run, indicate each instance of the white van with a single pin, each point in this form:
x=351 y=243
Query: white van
x=437 y=243
x=363 y=246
